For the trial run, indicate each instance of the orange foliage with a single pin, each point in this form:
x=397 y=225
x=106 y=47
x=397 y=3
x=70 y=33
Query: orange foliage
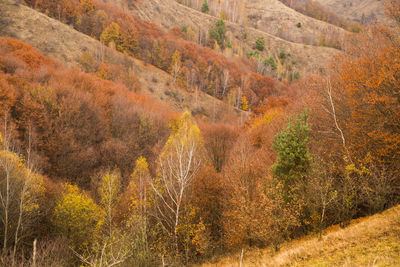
x=23 y=52
x=368 y=77
x=218 y=140
x=81 y=123
x=208 y=196
x=148 y=42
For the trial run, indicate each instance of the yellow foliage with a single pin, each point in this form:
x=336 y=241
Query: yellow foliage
x=184 y=132
x=244 y=105
x=140 y=195
x=175 y=60
x=191 y=33
x=361 y=168
x=112 y=35
x=266 y=119
x=33 y=182
x=25 y=192
x=77 y=216
x=87 y=61
x=187 y=227
x=36 y=192
x=109 y=188
x=88 y=5
x=223 y=15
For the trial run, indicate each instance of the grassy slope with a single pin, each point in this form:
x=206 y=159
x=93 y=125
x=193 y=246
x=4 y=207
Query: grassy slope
x=357 y=8
x=275 y=18
x=172 y=14
x=370 y=241
x=62 y=42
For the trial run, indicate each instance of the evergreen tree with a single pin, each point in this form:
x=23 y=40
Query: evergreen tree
x=294 y=159
x=205 y=8
x=260 y=43
x=218 y=33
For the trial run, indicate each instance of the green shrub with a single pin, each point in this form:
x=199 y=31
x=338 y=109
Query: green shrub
x=270 y=62
x=282 y=54
x=253 y=53
x=260 y=44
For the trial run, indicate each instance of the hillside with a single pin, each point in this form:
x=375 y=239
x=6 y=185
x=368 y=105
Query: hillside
x=62 y=42
x=273 y=17
x=170 y=14
x=371 y=241
x=358 y=10
x=191 y=133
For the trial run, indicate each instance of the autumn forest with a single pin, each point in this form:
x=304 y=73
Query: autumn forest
x=99 y=168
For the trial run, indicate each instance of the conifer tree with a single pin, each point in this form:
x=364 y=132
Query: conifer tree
x=260 y=44
x=218 y=33
x=294 y=159
x=205 y=8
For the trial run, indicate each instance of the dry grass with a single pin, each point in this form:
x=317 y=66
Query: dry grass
x=275 y=18
x=371 y=241
x=65 y=44
x=357 y=8
x=172 y=14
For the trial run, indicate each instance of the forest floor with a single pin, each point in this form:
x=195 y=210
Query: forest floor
x=369 y=241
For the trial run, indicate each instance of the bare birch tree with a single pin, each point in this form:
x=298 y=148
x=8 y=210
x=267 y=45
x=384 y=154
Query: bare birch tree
x=20 y=191
x=225 y=82
x=179 y=162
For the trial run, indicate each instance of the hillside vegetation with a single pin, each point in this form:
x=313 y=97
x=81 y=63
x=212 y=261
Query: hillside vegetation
x=62 y=42
x=362 y=11
x=192 y=66
x=127 y=143
x=370 y=241
x=308 y=58
x=273 y=17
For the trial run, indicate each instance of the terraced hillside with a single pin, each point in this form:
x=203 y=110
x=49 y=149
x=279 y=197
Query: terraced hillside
x=62 y=42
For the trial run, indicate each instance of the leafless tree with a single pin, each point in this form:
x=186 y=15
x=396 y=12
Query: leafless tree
x=17 y=183
x=225 y=82
x=179 y=162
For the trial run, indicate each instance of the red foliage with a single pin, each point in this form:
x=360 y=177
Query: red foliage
x=150 y=43
x=80 y=121
x=24 y=52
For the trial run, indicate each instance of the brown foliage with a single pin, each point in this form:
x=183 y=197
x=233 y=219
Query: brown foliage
x=208 y=196
x=218 y=140
x=146 y=41
x=81 y=123
x=368 y=78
